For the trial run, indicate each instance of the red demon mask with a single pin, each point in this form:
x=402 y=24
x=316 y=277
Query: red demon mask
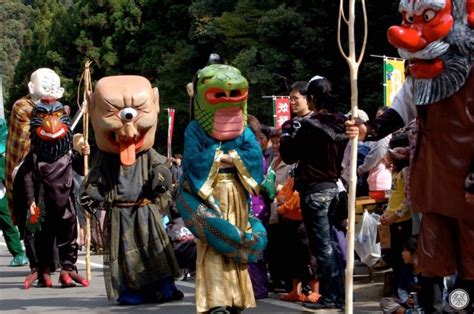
x=424 y=22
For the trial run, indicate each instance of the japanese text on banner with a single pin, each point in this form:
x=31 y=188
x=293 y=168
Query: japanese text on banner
x=282 y=110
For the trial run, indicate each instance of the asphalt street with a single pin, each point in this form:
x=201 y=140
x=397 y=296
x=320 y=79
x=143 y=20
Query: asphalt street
x=15 y=299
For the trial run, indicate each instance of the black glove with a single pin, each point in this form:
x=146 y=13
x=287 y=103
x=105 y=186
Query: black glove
x=162 y=180
x=88 y=204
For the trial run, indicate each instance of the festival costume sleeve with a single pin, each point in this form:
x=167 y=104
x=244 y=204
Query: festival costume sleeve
x=201 y=161
x=403 y=110
x=403 y=102
x=161 y=180
x=27 y=178
x=386 y=124
x=77 y=162
x=247 y=157
x=20 y=117
x=93 y=188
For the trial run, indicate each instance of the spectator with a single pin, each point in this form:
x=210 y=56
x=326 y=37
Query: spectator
x=315 y=178
x=398 y=214
x=380 y=173
x=176 y=169
x=276 y=256
x=408 y=283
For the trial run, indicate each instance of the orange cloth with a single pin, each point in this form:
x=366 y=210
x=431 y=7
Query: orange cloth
x=290 y=208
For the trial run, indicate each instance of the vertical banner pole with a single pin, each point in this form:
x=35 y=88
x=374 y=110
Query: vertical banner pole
x=385 y=81
x=274 y=111
x=171 y=114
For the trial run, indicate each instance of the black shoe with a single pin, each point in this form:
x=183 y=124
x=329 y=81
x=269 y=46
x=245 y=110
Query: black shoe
x=235 y=310
x=181 y=275
x=321 y=304
x=219 y=310
x=177 y=295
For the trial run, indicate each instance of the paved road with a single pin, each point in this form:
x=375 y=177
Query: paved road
x=14 y=299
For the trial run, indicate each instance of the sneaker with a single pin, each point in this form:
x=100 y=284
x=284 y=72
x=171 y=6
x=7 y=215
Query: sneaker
x=19 y=260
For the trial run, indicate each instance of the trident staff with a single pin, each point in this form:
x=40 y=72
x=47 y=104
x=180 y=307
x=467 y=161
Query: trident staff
x=354 y=63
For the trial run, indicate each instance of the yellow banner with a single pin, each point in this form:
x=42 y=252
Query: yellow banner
x=394 y=77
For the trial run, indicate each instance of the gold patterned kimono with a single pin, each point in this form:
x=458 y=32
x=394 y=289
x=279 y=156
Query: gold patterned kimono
x=220 y=280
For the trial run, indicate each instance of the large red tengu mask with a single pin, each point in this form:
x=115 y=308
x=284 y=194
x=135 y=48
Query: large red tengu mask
x=425 y=23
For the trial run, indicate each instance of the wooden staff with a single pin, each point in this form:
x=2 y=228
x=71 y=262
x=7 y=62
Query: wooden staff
x=354 y=63
x=85 y=128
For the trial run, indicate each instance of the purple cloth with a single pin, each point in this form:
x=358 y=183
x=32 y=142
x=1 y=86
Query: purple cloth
x=258 y=276
x=340 y=246
x=259 y=207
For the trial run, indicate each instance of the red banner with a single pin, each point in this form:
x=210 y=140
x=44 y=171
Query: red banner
x=171 y=113
x=281 y=109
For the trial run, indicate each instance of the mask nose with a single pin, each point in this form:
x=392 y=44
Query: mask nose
x=52 y=124
x=130 y=131
x=406 y=38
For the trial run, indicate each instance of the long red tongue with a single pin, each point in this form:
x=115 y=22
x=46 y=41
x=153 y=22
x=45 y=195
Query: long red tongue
x=127 y=153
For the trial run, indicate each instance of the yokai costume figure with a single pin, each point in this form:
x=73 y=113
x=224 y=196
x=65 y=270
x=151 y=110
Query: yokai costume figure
x=437 y=38
x=222 y=164
x=46 y=177
x=43 y=82
x=10 y=232
x=128 y=179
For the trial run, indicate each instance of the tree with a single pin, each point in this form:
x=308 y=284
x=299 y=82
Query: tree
x=14 y=21
x=38 y=39
x=274 y=43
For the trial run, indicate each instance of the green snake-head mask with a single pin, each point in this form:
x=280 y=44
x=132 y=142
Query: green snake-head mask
x=220 y=101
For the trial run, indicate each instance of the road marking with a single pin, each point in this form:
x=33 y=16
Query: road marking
x=269 y=300
x=96 y=265
x=185 y=284
x=276 y=302
x=79 y=261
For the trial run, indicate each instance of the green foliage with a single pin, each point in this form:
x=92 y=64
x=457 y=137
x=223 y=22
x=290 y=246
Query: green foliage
x=274 y=43
x=14 y=21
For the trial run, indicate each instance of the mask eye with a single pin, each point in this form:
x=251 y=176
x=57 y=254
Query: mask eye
x=206 y=80
x=41 y=115
x=428 y=15
x=409 y=18
x=128 y=114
